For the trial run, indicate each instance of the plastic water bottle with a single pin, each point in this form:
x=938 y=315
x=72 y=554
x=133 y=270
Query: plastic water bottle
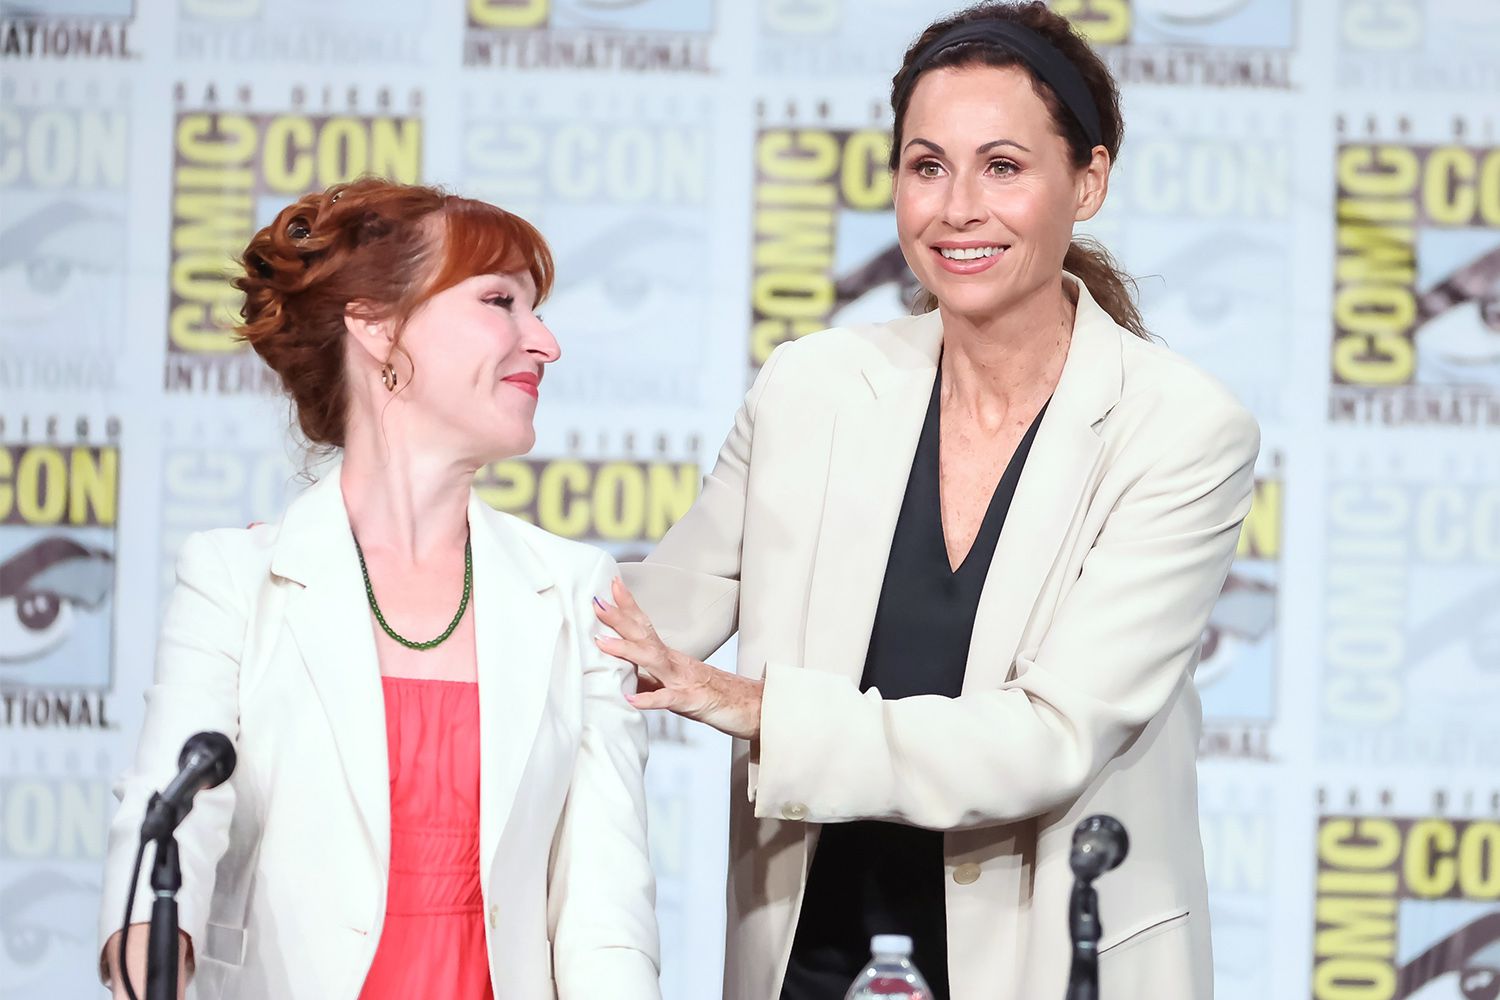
x=890 y=974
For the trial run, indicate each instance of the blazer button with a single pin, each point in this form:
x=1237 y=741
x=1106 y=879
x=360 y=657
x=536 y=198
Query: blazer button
x=494 y=915
x=966 y=874
x=794 y=811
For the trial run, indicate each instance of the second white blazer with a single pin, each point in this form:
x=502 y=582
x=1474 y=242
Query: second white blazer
x=268 y=638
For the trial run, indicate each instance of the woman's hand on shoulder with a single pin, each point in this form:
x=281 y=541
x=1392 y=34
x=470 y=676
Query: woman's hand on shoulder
x=672 y=680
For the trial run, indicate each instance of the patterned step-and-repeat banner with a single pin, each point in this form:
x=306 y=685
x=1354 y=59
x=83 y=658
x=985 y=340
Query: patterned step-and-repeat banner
x=1309 y=194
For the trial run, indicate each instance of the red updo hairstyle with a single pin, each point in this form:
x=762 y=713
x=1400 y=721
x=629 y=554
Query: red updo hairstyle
x=388 y=247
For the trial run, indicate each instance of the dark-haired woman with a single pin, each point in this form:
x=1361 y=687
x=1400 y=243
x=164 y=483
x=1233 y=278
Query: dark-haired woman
x=969 y=555
x=439 y=783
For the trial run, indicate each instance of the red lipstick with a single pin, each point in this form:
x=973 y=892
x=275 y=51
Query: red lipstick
x=527 y=382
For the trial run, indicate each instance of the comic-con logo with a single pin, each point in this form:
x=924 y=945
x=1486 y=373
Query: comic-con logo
x=58 y=507
x=1410 y=648
x=1407 y=906
x=631 y=36
x=824 y=251
x=619 y=183
x=1236 y=675
x=625 y=504
x=1416 y=303
x=64 y=179
x=235 y=164
x=1199 y=43
x=1200 y=207
x=55 y=805
x=78 y=29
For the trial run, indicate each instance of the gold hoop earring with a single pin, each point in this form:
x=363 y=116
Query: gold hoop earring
x=388 y=376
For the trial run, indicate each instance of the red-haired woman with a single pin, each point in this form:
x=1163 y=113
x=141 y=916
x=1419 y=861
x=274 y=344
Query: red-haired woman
x=439 y=783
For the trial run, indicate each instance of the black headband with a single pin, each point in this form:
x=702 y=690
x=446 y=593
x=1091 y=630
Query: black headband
x=1041 y=56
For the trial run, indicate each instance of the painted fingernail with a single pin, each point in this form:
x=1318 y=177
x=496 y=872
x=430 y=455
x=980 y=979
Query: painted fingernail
x=600 y=603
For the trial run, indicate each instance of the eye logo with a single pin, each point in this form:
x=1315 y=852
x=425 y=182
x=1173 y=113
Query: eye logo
x=41 y=914
x=1237 y=668
x=58 y=506
x=43 y=589
x=1471 y=954
x=1457 y=325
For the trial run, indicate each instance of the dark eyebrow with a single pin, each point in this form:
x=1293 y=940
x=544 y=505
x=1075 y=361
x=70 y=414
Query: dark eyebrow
x=979 y=152
x=1000 y=142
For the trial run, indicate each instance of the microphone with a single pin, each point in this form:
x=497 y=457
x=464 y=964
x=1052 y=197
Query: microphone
x=1099 y=845
x=207 y=761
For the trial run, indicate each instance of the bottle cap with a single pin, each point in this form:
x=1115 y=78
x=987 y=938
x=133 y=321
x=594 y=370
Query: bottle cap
x=890 y=944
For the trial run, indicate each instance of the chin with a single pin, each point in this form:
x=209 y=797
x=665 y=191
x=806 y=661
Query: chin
x=969 y=300
x=512 y=449
x=521 y=444
x=505 y=442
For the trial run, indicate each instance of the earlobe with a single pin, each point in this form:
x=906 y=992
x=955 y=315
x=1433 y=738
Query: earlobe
x=1088 y=206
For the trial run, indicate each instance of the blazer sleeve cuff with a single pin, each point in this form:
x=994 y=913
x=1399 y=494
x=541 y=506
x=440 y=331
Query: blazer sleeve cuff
x=801 y=742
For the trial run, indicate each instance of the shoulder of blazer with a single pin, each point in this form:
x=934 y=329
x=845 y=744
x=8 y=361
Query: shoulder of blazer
x=560 y=560
x=244 y=554
x=1165 y=395
x=830 y=357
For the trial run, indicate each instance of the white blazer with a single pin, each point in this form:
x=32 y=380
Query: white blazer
x=1078 y=696
x=268 y=639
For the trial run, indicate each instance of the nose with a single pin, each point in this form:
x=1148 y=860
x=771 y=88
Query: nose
x=962 y=209
x=539 y=342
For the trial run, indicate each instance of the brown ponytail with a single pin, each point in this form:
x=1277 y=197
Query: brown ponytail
x=1110 y=286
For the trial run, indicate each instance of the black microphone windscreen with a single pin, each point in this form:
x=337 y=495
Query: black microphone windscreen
x=216 y=749
x=1099 y=845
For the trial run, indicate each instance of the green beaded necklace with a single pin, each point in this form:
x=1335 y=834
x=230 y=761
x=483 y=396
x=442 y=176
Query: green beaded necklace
x=463 y=605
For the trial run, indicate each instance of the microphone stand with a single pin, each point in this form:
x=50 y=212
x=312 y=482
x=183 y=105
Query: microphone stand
x=161 y=953
x=1099 y=845
x=207 y=760
x=1083 y=924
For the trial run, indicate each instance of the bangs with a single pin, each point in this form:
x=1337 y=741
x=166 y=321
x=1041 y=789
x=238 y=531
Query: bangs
x=483 y=239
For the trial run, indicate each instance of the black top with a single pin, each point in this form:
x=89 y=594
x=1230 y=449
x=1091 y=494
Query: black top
x=871 y=877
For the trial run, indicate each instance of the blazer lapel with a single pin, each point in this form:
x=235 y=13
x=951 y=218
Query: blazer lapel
x=874 y=438
x=330 y=620
x=517 y=625
x=1049 y=497
x=516 y=629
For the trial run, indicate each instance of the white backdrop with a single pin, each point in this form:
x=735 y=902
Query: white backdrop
x=1309 y=191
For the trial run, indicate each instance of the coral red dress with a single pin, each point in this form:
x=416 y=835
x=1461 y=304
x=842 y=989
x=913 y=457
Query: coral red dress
x=433 y=943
